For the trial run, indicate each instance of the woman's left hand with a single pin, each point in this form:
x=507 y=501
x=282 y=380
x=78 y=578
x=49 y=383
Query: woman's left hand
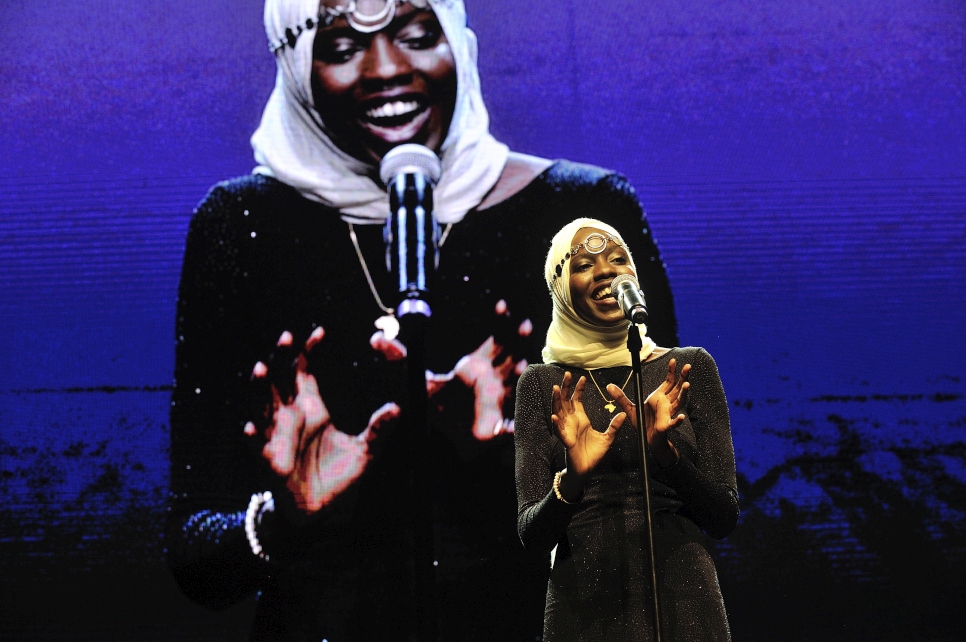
x=662 y=410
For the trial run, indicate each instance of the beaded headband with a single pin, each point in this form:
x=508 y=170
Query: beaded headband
x=594 y=243
x=357 y=19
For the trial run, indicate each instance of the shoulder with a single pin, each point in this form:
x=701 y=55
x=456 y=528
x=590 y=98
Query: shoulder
x=702 y=363
x=523 y=172
x=568 y=175
x=520 y=171
x=540 y=375
x=242 y=192
x=689 y=354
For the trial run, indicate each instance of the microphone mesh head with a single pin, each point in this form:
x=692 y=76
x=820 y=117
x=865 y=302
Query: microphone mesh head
x=410 y=159
x=624 y=278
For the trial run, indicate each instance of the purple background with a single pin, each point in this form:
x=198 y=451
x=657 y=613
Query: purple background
x=804 y=171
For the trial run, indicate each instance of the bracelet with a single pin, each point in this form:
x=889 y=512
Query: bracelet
x=556 y=486
x=260 y=504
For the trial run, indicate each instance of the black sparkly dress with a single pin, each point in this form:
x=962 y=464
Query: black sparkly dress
x=260 y=259
x=599 y=588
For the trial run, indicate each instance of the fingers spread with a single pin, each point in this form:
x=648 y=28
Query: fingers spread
x=616 y=423
x=283 y=364
x=564 y=388
x=261 y=399
x=281 y=447
x=391 y=349
x=314 y=339
x=617 y=393
x=380 y=419
x=628 y=407
x=310 y=402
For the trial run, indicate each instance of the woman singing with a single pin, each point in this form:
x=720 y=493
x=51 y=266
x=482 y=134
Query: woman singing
x=288 y=477
x=578 y=477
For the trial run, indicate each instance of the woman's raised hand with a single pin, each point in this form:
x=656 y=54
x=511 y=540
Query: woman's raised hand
x=662 y=410
x=316 y=461
x=585 y=446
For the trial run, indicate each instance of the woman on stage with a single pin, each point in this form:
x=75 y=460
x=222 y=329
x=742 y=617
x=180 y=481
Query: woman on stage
x=288 y=478
x=579 y=485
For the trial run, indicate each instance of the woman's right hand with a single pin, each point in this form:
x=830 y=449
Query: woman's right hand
x=585 y=445
x=314 y=459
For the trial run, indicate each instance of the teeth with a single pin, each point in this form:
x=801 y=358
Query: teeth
x=397 y=108
x=603 y=293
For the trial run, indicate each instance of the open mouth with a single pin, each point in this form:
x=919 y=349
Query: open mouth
x=603 y=293
x=396 y=112
x=396 y=120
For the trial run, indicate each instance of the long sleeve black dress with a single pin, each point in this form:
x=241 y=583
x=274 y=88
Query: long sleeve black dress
x=599 y=588
x=260 y=259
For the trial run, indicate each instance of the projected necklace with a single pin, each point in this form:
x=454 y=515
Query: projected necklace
x=609 y=403
x=388 y=322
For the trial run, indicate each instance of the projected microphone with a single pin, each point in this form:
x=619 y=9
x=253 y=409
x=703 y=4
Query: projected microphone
x=628 y=293
x=410 y=172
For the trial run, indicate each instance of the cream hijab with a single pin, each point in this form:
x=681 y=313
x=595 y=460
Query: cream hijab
x=571 y=340
x=292 y=143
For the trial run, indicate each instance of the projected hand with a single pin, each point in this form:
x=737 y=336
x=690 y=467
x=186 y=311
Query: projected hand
x=316 y=461
x=661 y=411
x=490 y=371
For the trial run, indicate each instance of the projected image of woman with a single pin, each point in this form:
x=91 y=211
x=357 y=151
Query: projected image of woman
x=287 y=476
x=578 y=461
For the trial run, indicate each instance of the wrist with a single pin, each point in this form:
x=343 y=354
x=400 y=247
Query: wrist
x=568 y=486
x=666 y=455
x=260 y=509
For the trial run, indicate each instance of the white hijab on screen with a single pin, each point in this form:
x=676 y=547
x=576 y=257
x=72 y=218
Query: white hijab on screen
x=292 y=143
x=571 y=340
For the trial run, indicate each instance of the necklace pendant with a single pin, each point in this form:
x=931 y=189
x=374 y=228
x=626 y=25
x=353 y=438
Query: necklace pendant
x=611 y=407
x=389 y=325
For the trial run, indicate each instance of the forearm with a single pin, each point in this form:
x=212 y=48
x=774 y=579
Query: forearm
x=712 y=505
x=542 y=518
x=542 y=524
x=211 y=559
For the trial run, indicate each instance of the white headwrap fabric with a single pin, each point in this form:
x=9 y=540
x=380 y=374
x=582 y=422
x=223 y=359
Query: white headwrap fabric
x=292 y=145
x=571 y=340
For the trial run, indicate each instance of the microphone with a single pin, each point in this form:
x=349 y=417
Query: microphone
x=628 y=293
x=411 y=234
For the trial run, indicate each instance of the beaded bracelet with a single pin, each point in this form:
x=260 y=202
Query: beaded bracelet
x=260 y=504
x=556 y=486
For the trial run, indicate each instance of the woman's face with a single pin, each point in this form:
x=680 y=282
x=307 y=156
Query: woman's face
x=590 y=278
x=378 y=90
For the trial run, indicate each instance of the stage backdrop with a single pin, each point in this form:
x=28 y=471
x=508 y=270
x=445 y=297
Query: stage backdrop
x=803 y=166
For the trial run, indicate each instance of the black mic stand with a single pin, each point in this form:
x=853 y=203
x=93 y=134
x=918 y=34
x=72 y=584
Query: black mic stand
x=413 y=226
x=634 y=345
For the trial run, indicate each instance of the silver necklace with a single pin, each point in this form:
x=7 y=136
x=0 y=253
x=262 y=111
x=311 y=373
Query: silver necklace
x=388 y=322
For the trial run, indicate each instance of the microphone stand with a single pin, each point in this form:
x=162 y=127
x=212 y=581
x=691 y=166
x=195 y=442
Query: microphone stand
x=410 y=199
x=413 y=334
x=634 y=344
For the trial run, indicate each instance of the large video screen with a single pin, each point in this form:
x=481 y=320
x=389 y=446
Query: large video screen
x=802 y=170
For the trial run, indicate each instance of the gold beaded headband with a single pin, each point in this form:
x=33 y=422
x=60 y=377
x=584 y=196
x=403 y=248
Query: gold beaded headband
x=357 y=18
x=594 y=243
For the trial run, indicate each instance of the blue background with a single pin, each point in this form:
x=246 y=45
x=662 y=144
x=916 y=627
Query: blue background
x=803 y=167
